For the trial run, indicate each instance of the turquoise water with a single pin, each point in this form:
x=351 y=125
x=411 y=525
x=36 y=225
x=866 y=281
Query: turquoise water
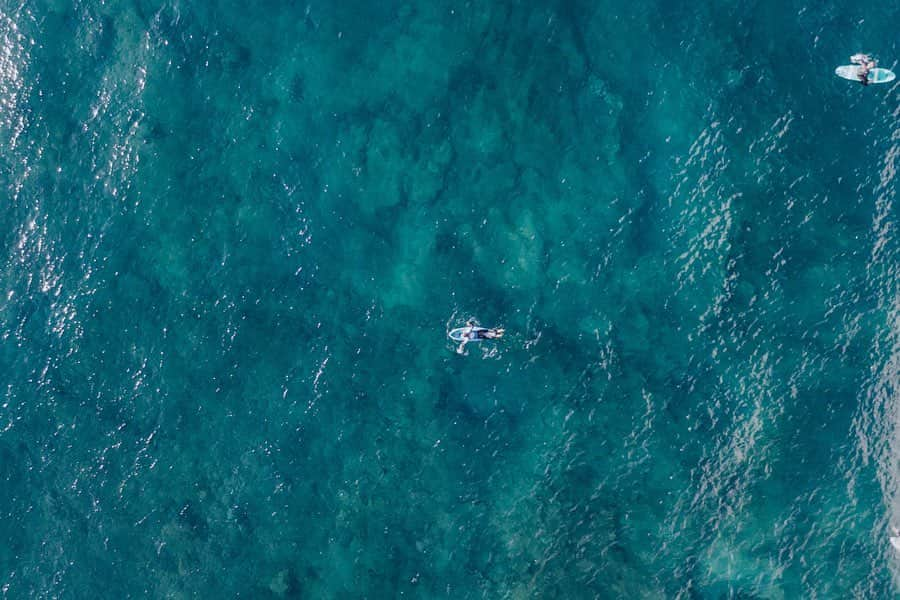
x=237 y=233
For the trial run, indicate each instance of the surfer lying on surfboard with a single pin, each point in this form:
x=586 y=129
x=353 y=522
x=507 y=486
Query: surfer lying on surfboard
x=473 y=333
x=866 y=63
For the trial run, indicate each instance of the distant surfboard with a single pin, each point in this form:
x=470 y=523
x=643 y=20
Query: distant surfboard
x=876 y=75
x=461 y=333
x=895 y=542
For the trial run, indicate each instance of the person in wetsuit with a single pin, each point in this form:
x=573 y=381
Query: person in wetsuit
x=475 y=333
x=866 y=63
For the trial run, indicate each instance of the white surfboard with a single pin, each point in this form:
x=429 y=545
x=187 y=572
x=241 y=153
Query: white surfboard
x=461 y=333
x=876 y=75
x=895 y=542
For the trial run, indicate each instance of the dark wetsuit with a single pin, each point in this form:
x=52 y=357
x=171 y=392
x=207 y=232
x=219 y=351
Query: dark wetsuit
x=866 y=64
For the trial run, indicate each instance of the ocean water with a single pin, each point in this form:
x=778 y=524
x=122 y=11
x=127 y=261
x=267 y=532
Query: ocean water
x=236 y=234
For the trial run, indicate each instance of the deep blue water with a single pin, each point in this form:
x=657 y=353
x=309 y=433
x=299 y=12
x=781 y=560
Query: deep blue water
x=236 y=234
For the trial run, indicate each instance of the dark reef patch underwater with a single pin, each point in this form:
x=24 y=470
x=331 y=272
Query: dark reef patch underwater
x=237 y=234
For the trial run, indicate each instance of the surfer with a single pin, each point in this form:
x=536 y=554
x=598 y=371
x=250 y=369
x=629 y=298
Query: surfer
x=474 y=332
x=483 y=334
x=866 y=63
